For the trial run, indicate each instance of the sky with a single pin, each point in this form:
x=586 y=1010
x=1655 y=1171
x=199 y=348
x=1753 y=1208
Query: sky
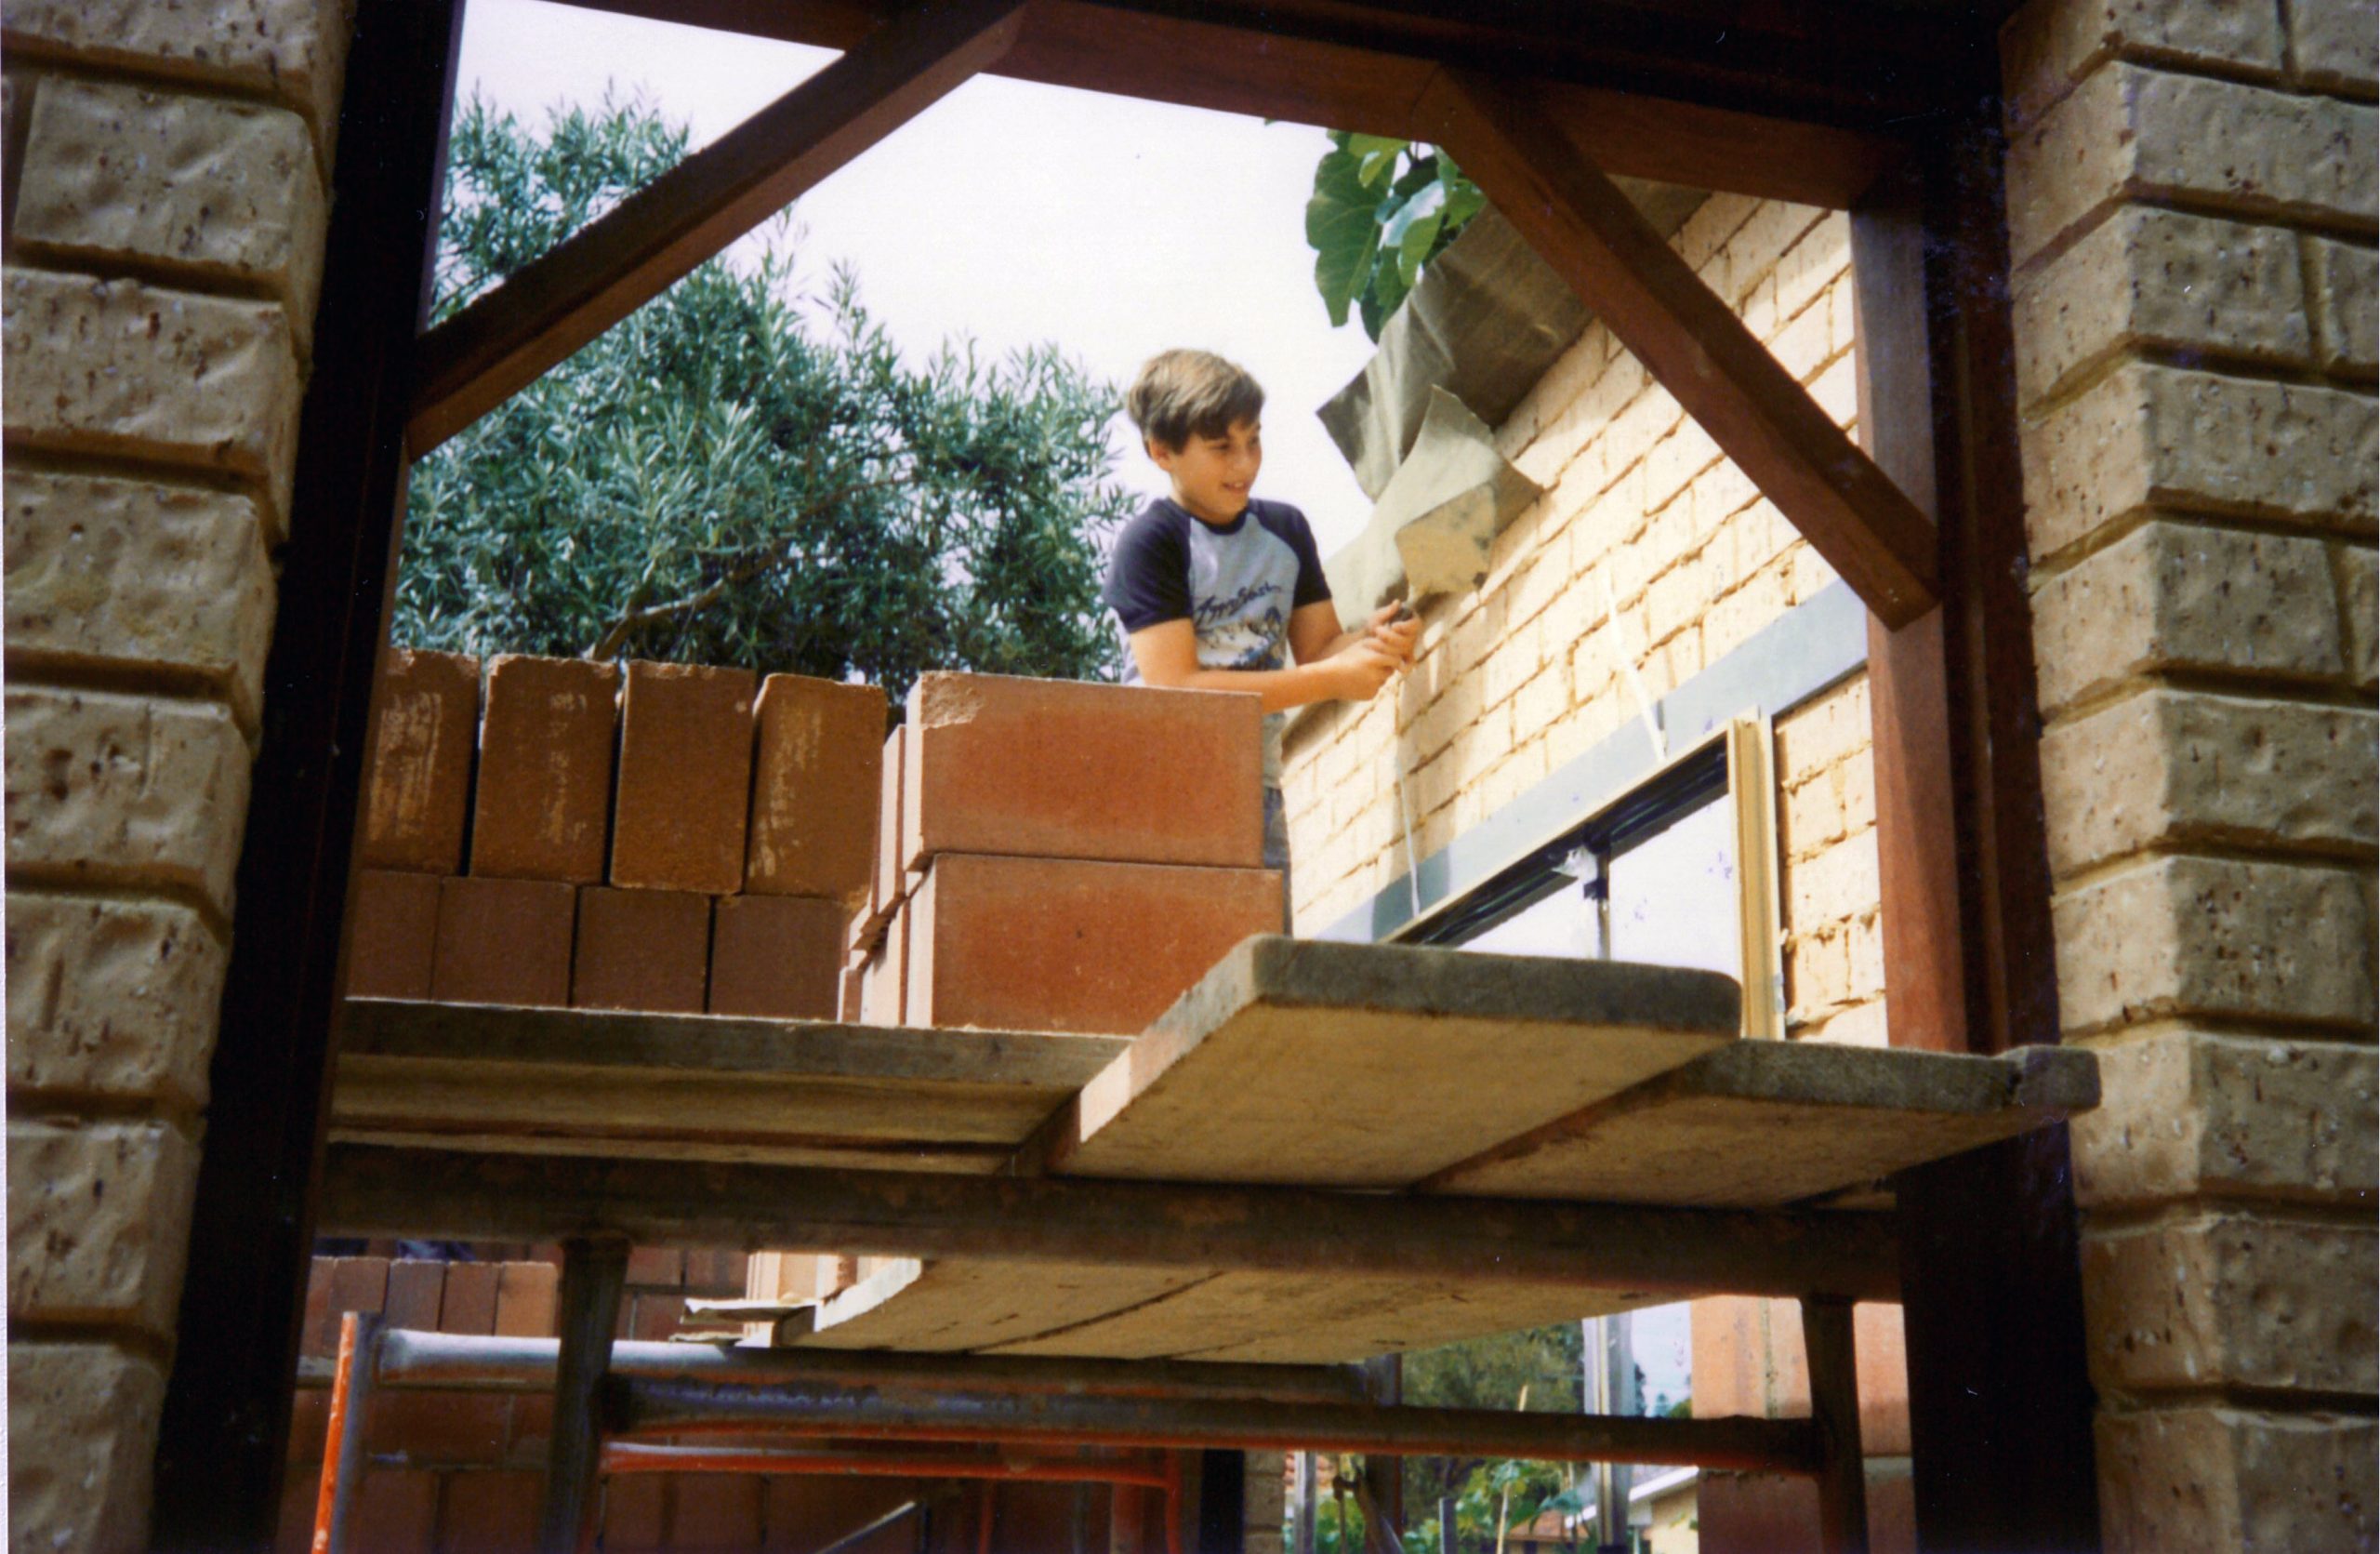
x=1016 y=214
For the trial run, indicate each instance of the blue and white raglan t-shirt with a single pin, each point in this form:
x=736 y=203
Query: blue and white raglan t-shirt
x=1237 y=584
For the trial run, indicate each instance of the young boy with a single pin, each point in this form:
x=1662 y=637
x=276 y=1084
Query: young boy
x=1217 y=590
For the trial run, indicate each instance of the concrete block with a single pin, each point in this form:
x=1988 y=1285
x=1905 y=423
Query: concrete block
x=2346 y=277
x=2149 y=435
x=110 y=998
x=685 y=778
x=2334 y=46
x=417 y=776
x=2358 y=612
x=2146 y=279
x=1052 y=944
x=82 y=1429
x=641 y=949
x=2051 y=46
x=2182 y=1480
x=2180 y=937
x=817 y=774
x=2129 y=133
x=542 y=806
x=123 y=370
x=108 y=790
x=294 y=51
x=220 y=191
x=779 y=956
x=392 y=935
x=2186 y=1113
x=2166 y=766
x=2173 y=596
x=113 y=575
x=504 y=941
x=2231 y=1300
x=1064 y=769
x=98 y=1221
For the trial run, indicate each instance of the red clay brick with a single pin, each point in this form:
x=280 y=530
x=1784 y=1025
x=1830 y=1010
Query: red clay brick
x=814 y=790
x=1066 y=769
x=715 y=1513
x=309 y=1423
x=543 y=807
x=294 y=1534
x=346 y=1284
x=417 y=772
x=847 y=997
x=453 y=1428
x=780 y=956
x=396 y=1513
x=641 y=949
x=504 y=941
x=656 y=1317
x=717 y=1272
x=532 y=1432
x=391 y=934
x=468 y=1305
x=1050 y=943
x=636 y=1514
x=664 y=1266
x=526 y=1294
x=492 y=1513
x=685 y=778
x=415 y=1286
x=884 y=987
x=884 y=891
x=1775 y=1513
x=812 y=1510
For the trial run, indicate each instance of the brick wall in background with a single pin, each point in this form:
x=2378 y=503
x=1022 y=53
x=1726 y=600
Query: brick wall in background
x=2191 y=221
x=165 y=171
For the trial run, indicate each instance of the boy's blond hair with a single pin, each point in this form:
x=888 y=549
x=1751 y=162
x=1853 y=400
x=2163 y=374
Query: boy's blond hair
x=1179 y=395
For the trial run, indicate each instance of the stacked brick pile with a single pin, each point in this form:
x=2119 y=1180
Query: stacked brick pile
x=1055 y=856
x=654 y=839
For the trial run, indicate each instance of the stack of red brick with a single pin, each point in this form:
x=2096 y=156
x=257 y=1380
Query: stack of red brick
x=1055 y=855
x=654 y=839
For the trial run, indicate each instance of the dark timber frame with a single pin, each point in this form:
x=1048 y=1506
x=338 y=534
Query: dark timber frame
x=1886 y=110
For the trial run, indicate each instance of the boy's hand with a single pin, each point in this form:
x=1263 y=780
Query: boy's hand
x=1361 y=669
x=1396 y=628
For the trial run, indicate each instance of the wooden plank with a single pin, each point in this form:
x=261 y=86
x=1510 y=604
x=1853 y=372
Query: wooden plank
x=1690 y=340
x=506 y=339
x=1221 y=1088
x=1766 y=1124
x=957 y=1304
x=1752 y=795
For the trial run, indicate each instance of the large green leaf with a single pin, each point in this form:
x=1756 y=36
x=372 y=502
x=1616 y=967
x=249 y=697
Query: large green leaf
x=1341 y=228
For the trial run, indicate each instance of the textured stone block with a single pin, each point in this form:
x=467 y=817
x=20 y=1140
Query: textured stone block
x=685 y=778
x=293 y=50
x=2346 y=277
x=392 y=935
x=98 y=1221
x=2358 y=612
x=1065 y=944
x=2234 y=1300
x=641 y=949
x=2127 y=133
x=2051 y=44
x=542 y=803
x=224 y=192
x=122 y=369
x=778 y=956
x=2181 y=1481
x=504 y=941
x=816 y=779
x=110 y=998
x=2177 y=937
x=2151 y=435
x=418 y=777
x=2169 y=766
x=171 y=581
x=2334 y=46
x=2185 y=597
x=1064 y=769
x=2160 y=280
x=82 y=1428
x=122 y=790
x=2189 y=1112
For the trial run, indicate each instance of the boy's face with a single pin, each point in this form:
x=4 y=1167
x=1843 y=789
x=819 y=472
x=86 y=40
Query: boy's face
x=1211 y=476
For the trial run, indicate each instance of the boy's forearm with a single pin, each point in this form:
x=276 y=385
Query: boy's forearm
x=1279 y=689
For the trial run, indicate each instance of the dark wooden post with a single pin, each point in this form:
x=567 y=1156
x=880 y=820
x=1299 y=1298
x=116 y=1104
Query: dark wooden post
x=222 y=1438
x=1833 y=1365
x=594 y=1270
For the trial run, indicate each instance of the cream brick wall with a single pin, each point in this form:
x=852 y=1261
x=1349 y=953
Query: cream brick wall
x=1649 y=557
x=2191 y=215
x=169 y=168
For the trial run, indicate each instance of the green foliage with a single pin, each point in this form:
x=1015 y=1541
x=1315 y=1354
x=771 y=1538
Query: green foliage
x=720 y=479
x=1381 y=209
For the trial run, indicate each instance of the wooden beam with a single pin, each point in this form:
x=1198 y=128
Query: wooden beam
x=506 y=339
x=371 y=1190
x=1833 y=1360
x=1691 y=340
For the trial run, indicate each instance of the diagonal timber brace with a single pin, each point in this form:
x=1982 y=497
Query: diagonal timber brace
x=509 y=337
x=1865 y=526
